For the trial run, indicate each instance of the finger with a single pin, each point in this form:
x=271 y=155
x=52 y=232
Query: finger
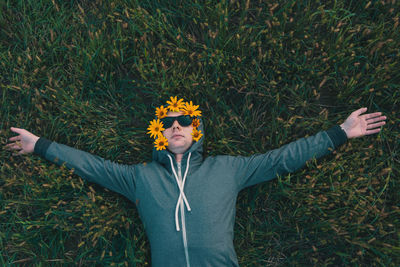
x=13 y=146
x=19 y=153
x=15 y=138
x=8 y=146
x=371 y=115
x=16 y=143
x=359 y=111
x=372 y=131
x=375 y=125
x=376 y=119
x=16 y=130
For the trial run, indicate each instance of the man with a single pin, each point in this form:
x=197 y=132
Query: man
x=187 y=203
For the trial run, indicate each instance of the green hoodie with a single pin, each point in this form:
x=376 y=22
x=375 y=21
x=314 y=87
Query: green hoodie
x=188 y=209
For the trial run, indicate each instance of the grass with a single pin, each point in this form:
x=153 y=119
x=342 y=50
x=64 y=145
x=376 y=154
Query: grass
x=90 y=73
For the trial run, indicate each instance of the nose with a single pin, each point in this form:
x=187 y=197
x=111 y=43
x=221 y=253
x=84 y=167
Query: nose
x=176 y=125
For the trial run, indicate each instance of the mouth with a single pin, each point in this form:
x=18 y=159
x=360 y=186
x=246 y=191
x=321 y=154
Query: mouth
x=177 y=135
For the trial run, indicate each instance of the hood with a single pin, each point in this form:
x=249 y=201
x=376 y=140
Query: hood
x=196 y=149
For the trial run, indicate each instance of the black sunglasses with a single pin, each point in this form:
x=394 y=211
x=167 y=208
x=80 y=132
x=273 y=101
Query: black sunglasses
x=183 y=120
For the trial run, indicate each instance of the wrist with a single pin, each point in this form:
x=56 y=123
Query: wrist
x=35 y=139
x=344 y=129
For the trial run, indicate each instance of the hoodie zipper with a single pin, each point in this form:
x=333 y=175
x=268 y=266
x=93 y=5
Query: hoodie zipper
x=183 y=220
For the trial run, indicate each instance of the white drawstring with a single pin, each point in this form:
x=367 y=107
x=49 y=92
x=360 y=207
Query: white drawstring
x=181 y=185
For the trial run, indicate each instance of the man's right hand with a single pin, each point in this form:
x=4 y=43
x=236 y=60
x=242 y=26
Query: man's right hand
x=24 y=143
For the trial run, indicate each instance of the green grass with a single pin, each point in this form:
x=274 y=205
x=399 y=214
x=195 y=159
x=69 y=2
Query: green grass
x=89 y=74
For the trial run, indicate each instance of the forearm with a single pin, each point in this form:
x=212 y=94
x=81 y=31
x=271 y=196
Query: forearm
x=116 y=177
x=290 y=157
x=296 y=154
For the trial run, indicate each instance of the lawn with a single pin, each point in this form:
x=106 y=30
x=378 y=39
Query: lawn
x=89 y=74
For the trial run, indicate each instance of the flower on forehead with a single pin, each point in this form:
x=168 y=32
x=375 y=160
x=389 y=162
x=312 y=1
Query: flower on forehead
x=155 y=128
x=196 y=135
x=161 y=112
x=195 y=123
x=174 y=104
x=161 y=142
x=191 y=110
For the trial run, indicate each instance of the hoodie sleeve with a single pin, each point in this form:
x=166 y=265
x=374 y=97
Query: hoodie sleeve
x=288 y=158
x=116 y=177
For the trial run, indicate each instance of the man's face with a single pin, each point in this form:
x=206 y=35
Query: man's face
x=179 y=137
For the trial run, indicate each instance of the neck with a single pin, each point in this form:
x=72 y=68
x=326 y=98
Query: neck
x=178 y=157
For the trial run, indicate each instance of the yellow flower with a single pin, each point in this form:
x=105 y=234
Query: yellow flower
x=161 y=142
x=196 y=123
x=174 y=104
x=191 y=110
x=196 y=135
x=161 y=112
x=155 y=128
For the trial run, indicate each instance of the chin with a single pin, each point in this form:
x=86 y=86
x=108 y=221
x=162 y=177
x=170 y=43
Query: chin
x=178 y=149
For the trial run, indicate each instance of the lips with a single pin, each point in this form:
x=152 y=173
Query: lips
x=177 y=135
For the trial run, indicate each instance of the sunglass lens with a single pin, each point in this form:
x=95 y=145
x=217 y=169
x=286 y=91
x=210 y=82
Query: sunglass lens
x=184 y=120
x=168 y=121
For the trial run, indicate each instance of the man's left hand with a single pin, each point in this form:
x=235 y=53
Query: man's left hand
x=357 y=125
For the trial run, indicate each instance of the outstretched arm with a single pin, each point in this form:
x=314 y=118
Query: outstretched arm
x=292 y=156
x=117 y=177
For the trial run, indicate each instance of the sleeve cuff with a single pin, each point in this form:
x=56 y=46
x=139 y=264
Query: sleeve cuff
x=41 y=146
x=337 y=135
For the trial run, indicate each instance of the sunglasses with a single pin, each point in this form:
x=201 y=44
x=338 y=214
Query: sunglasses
x=183 y=120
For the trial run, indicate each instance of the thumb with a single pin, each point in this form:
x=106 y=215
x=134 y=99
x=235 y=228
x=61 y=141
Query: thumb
x=359 y=112
x=16 y=130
